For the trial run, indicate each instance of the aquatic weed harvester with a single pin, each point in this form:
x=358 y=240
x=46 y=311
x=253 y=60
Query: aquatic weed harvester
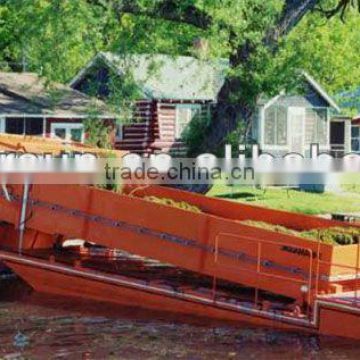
x=170 y=250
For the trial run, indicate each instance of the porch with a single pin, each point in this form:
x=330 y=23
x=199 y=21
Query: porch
x=63 y=128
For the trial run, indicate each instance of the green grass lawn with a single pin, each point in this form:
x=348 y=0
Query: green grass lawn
x=291 y=200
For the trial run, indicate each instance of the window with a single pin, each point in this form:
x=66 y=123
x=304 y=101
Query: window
x=275 y=129
x=316 y=126
x=14 y=126
x=355 y=138
x=68 y=131
x=184 y=114
x=118 y=132
x=25 y=125
x=76 y=134
x=59 y=133
x=34 y=126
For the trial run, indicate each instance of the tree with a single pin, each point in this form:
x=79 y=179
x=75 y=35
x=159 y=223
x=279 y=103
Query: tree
x=57 y=37
x=53 y=38
x=253 y=32
x=328 y=49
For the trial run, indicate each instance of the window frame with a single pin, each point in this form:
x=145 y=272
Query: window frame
x=189 y=116
x=68 y=127
x=275 y=145
x=119 y=132
x=2 y=124
x=355 y=138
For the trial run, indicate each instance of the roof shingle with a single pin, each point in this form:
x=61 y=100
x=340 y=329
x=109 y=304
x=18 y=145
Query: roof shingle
x=30 y=94
x=165 y=77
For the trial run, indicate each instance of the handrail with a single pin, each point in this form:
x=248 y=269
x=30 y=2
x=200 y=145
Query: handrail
x=309 y=250
x=258 y=270
x=314 y=269
x=355 y=268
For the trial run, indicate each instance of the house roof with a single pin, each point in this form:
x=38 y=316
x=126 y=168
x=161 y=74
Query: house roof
x=166 y=77
x=356 y=120
x=27 y=93
x=321 y=91
x=265 y=101
x=179 y=78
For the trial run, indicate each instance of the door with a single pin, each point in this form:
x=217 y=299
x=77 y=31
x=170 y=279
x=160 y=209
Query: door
x=68 y=131
x=337 y=138
x=296 y=116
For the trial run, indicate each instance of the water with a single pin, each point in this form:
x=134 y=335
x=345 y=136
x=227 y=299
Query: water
x=34 y=326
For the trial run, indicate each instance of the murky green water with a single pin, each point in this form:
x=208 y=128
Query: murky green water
x=34 y=326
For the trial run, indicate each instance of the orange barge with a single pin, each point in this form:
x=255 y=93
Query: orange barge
x=210 y=264
x=205 y=264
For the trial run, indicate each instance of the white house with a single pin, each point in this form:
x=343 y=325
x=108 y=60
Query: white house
x=292 y=122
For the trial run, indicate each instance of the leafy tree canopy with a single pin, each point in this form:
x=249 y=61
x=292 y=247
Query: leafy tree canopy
x=57 y=37
x=266 y=41
x=327 y=49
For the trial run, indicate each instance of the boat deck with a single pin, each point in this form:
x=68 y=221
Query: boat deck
x=349 y=298
x=152 y=272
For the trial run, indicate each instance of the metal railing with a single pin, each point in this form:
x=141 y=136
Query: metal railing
x=260 y=260
x=312 y=278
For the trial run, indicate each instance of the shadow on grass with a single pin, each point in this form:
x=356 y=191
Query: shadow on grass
x=239 y=195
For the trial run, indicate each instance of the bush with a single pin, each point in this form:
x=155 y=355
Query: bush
x=98 y=133
x=195 y=134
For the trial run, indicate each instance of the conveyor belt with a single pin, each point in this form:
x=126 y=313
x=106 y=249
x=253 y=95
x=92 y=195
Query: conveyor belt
x=203 y=243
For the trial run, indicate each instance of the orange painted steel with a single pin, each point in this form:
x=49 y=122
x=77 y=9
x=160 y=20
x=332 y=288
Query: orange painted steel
x=339 y=321
x=39 y=145
x=77 y=282
x=58 y=279
x=203 y=243
x=234 y=210
x=214 y=243
x=184 y=239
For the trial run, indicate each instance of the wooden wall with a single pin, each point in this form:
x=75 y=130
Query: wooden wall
x=154 y=128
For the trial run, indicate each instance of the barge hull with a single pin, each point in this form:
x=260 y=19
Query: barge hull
x=58 y=279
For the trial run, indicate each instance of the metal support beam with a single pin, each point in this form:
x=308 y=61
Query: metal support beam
x=23 y=217
x=6 y=193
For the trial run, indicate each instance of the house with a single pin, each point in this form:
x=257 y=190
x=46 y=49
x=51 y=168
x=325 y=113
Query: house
x=29 y=105
x=173 y=90
x=350 y=100
x=291 y=122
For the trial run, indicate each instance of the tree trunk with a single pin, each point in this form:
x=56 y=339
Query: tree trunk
x=226 y=118
x=228 y=114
